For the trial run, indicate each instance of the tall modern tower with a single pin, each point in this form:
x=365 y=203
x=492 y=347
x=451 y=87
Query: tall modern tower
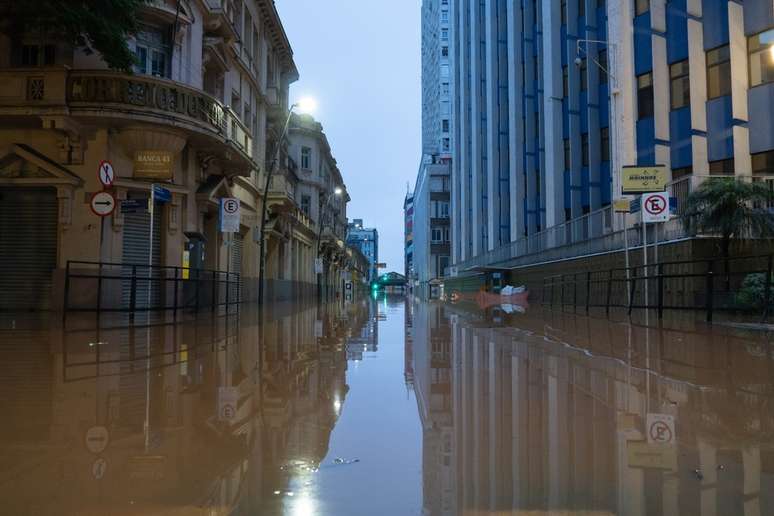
x=436 y=78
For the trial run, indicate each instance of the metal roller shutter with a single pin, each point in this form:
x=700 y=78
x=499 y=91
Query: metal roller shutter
x=136 y=248
x=28 y=247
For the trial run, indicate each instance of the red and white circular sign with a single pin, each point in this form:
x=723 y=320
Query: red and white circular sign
x=655 y=207
x=103 y=204
x=106 y=173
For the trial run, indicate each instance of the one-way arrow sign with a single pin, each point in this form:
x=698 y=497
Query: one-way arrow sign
x=103 y=204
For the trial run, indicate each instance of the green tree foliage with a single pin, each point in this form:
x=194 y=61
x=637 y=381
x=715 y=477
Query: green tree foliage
x=731 y=209
x=94 y=25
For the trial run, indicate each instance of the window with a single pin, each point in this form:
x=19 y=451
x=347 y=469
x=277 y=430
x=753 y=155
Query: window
x=444 y=34
x=585 y=149
x=38 y=55
x=445 y=126
x=583 y=74
x=443 y=264
x=565 y=82
x=718 y=72
x=436 y=235
x=644 y=96
x=604 y=144
x=444 y=51
x=446 y=144
x=679 y=173
x=763 y=163
x=563 y=7
x=602 y=61
x=445 y=16
x=761 y=55
x=641 y=7
x=581 y=8
x=680 y=84
x=306 y=203
x=445 y=88
x=567 y=163
x=152 y=52
x=306 y=158
x=723 y=167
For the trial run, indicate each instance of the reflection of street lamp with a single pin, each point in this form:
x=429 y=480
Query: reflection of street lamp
x=304 y=105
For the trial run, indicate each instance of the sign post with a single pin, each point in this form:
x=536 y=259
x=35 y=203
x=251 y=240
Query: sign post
x=655 y=209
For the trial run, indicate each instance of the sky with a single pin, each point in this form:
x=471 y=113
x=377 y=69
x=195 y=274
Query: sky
x=360 y=60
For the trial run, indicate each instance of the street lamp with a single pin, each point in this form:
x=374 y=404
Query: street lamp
x=615 y=167
x=304 y=105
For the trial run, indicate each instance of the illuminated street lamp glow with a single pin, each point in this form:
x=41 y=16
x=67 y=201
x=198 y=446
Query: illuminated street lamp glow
x=338 y=190
x=306 y=105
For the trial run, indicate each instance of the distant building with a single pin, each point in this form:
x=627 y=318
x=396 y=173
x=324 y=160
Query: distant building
x=367 y=240
x=408 y=236
x=431 y=225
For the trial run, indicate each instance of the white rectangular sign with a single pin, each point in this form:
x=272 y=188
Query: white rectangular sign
x=230 y=214
x=655 y=207
x=318 y=266
x=660 y=428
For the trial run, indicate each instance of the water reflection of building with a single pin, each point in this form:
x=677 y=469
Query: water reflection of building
x=432 y=385
x=365 y=334
x=551 y=417
x=204 y=417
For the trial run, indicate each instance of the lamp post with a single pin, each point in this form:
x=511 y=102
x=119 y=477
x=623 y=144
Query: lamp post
x=337 y=192
x=616 y=126
x=306 y=105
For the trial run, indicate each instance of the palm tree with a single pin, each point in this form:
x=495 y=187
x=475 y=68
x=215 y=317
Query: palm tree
x=731 y=209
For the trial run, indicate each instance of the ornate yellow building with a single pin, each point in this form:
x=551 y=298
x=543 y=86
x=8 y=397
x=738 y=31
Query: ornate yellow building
x=200 y=116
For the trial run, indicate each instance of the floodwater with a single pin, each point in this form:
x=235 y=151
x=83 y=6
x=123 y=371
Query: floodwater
x=385 y=407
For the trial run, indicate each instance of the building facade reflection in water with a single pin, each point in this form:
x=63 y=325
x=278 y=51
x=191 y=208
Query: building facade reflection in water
x=547 y=414
x=213 y=416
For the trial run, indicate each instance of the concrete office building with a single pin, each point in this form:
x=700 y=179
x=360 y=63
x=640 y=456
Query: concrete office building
x=431 y=225
x=367 y=240
x=408 y=236
x=436 y=87
x=545 y=109
x=431 y=232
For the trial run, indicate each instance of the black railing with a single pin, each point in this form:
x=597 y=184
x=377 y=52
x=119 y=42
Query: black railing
x=130 y=288
x=740 y=284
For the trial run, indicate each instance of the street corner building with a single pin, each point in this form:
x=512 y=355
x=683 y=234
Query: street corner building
x=202 y=116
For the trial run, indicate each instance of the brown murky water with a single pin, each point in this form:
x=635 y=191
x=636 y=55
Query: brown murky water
x=389 y=407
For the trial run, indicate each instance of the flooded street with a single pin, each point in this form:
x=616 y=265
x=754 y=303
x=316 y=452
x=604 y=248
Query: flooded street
x=385 y=407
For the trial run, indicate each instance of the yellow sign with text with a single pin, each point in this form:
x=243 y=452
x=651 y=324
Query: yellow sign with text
x=621 y=205
x=638 y=180
x=153 y=164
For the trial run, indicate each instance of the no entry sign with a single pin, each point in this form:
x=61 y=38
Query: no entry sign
x=655 y=207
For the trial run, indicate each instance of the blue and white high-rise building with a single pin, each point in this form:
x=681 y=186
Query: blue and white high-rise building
x=552 y=97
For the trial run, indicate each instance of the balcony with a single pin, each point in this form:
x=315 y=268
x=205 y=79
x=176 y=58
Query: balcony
x=219 y=19
x=62 y=97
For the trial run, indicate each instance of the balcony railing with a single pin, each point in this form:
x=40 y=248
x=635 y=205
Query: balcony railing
x=57 y=91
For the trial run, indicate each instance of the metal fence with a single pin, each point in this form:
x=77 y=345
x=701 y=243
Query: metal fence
x=130 y=288
x=590 y=234
x=741 y=284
